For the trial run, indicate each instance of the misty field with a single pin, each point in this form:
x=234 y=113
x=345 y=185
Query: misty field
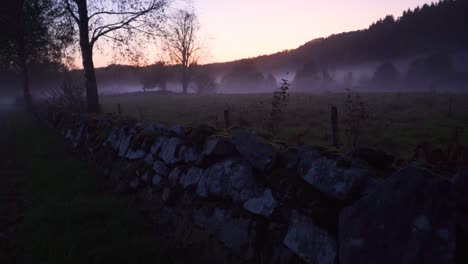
x=397 y=123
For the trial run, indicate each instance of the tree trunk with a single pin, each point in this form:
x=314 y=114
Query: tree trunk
x=92 y=97
x=23 y=61
x=227 y=118
x=25 y=80
x=184 y=87
x=450 y=111
x=185 y=79
x=334 y=127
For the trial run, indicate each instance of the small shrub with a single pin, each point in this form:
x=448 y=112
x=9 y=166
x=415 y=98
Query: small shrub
x=279 y=104
x=67 y=96
x=355 y=116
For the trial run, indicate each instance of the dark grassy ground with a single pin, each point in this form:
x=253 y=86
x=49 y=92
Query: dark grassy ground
x=10 y=195
x=65 y=216
x=397 y=122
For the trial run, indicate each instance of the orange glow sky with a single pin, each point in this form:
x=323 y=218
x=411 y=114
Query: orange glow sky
x=236 y=29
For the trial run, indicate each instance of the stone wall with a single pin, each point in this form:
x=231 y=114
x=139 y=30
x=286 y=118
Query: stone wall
x=264 y=201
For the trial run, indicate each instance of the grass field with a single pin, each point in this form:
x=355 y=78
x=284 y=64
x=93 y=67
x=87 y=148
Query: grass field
x=397 y=122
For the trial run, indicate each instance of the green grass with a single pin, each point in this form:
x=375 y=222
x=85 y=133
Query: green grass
x=397 y=124
x=67 y=219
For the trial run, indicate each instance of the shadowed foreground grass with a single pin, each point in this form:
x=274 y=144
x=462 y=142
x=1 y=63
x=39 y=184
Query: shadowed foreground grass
x=67 y=219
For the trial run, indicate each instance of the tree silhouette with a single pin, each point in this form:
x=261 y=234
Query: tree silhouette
x=436 y=69
x=386 y=75
x=34 y=34
x=115 y=20
x=203 y=83
x=155 y=76
x=244 y=76
x=310 y=74
x=183 y=43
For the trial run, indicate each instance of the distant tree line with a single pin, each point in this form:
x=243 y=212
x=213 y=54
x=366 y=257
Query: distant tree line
x=438 y=27
x=430 y=33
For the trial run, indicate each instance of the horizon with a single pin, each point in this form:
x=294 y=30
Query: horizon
x=236 y=39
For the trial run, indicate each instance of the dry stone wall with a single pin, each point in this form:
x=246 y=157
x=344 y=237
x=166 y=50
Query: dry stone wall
x=264 y=201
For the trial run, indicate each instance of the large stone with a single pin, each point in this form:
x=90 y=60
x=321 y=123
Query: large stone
x=218 y=147
x=210 y=222
x=124 y=144
x=135 y=154
x=157 y=180
x=256 y=150
x=158 y=145
x=121 y=137
x=161 y=168
x=262 y=205
x=113 y=138
x=460 y=187
x=79 y=134
x=307 y=157
x=191 y=177
x=166 y=194
x=69 y=134
x=199 y=134
x=175 y=175
x=134 y=184
x=290 y=158
x=189 y=154
x=310 y=243
x=160 y=129
x=374 y=157
x=170 y=151
x=406 y=220
x=236 y=233
x=230 y=178
x=149 y=159
x=145 y=177
x=340 y=183
x=178 y=130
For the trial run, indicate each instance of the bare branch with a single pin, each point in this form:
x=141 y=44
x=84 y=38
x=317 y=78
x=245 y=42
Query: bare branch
x=71 y=11
x=111 y=13
x=182 y=44
x=126 y=21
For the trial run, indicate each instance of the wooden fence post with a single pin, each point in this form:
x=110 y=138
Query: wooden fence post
x=450 y=110
x=227 y=117
x=334 y=127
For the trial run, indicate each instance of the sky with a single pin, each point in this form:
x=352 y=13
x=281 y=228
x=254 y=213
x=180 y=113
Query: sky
x=236 y=29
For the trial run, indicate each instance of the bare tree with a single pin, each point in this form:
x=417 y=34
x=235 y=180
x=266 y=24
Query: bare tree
x=115 y=20
x=183 y=43
x=155 y=76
